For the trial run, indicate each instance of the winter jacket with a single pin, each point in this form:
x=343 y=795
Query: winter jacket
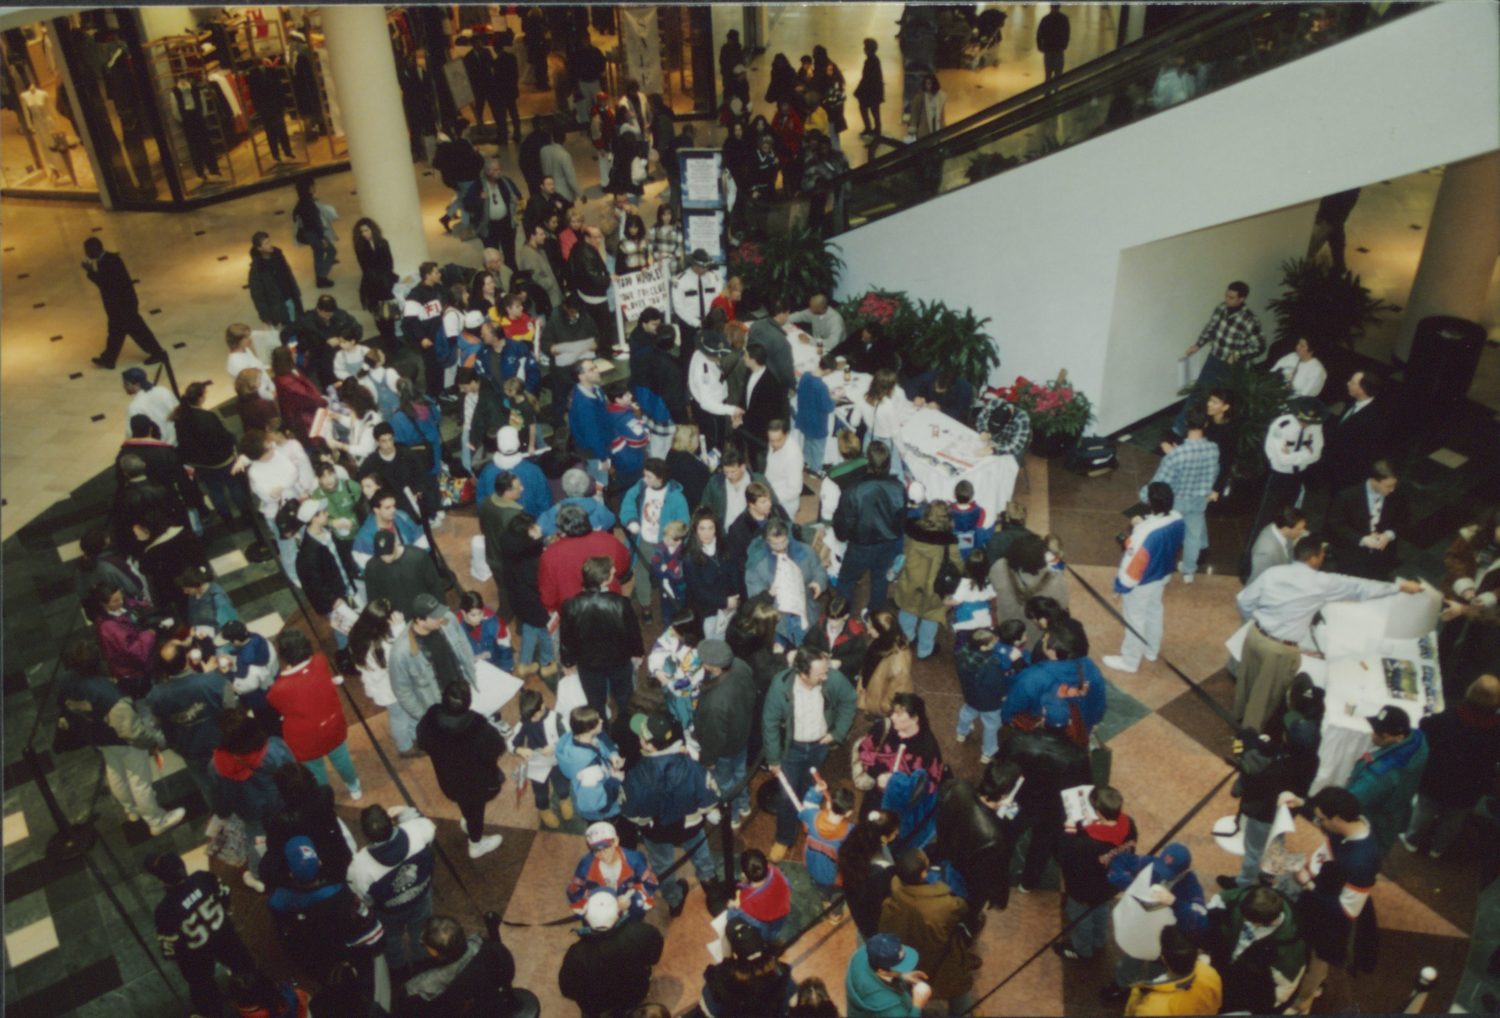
x=1048 y=692
x=656 y=379
x=314 y=818
x=312 y=714
x=413 y=572
x=413 y=681
x=299 y=402
x=407 y=530
x=1151 y=551
x=889 y=673
x=674 y=507
x=599 y=630
x=245 y=786
x=588 y=423
x=609 y=972
x=716 y=499
x=600 y=518
x=495 y=514
x=421 y=426
x=1266 y=974
x=1199 y=993
x=1384 y=780
x=627 y=444
x=187 y=707
x=560 y=575
x=101 y=715
x=594 y=787
x=972 y=839
x=667 y=795
x=1267 y=769
x=711 y=582
x=536 y=493
x=1188 y=908
x=871 y=512
x=724 y=715
x=1463 y=750
x=478 y=983
x=318 y=567
x=1049 y=762
x=522 y=556
x=984 y=675
x=869 y=996
x=1084 y=857
x=271 y=286
x=129 y=648
x=928 y=919
x=778 y=724
x=465 y=750
x=765 y=995
x=814 y=406
x=760 y=573
x=1013 y=589
x=925 y=553
x=848 y=648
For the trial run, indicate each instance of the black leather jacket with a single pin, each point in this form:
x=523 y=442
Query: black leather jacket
x=599 y=630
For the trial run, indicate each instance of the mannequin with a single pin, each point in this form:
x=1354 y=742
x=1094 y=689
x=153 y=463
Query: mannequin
x=37 y=104
x=190 y=103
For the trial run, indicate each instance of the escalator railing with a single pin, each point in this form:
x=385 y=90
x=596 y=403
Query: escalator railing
x=1189 y=59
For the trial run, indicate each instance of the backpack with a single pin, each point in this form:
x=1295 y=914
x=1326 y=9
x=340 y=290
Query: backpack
x=1092 y=457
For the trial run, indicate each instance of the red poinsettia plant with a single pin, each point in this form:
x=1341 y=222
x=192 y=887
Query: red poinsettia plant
x=1055 y=407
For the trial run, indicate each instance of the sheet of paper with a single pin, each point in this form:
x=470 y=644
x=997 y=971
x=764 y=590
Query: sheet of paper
x=1137 y=926
x=719 y=946
x=1077 y=806
x=494 y=688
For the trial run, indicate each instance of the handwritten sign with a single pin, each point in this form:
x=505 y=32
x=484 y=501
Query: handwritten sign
x=636 y=291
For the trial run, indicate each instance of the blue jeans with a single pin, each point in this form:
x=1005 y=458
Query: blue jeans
x=729 y=771
x=403 y=727
x=790 y=629
x=403 y=932
x=288 y=549
x=1257 y=835
x=323 y=254
x=796 y=763
x=456 y=206
x=812 y=452
x=921 y=631
x=598 y=470
x=875 y=559
x=292 y=311
x=342 y=763
x=662 y=854
x=1195 y=540
x=223 y=489
x=1091 y=936
x=989 y=721
x=536 y=645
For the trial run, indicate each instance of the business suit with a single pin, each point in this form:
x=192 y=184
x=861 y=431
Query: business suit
x=121 y=308
x=507 y=89
x=769 y=334
x=765 y=401
x=481 y=70
x=1270 y=549
x=1355 y=440
x=1350 y=521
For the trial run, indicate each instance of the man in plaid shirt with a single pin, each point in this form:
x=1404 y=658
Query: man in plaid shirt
x=1231 y=335
x=1190 y=469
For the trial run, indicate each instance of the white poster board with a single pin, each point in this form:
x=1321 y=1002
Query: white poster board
x=1139 y=921
x=651 y=287
x=702 y=172
x=494 y=688
x=703 y=230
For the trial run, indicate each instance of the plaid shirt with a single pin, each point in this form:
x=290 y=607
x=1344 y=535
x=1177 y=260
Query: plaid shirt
x=1014 y=437
x=1232 y=335
x=1190 y=471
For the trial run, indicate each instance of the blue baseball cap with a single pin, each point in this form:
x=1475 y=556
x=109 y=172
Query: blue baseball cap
x=302 y=859
x=1173 y=861
x=886 y=952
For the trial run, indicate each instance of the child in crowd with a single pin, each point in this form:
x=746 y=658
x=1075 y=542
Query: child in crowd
x=536 y=743
x=518 y=355
x=674 y=663
x=765 y=898
x=249 y=660
x=340 y=496
x=208 y=607
x=968 y=518
x=349 y=360
x=467 y=342
x=814 y=412
x=916 y=500
x=971 y=601
x=1084 y=856
x=827 y=820
x=666 y=569
x=986 y=665
x=627 y=436
x=486 y=631
x=520 y=411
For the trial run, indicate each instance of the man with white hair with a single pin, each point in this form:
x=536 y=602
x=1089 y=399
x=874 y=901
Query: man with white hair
x=491 y=205
x=578 y=489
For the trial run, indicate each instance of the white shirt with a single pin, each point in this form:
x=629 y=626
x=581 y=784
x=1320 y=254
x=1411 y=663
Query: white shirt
x=1291 y=446
x=1284 y=599
x=242 y=360
x=829 y=326
x=376 y=677
x=707 y=386
x=495 y=194
x=349 y=363
x=808 y=723
x=274 y=481
x=362 y=436
x=692 y=295
x=734 y=498
x=884 y=419
x=1306 y=377
x=365 y=870
x=156 y=403
x=788 y=588
x=651 y=506
x=784 y=471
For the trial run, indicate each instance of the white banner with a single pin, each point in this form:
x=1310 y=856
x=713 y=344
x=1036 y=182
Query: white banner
x=640 y=48
x=636 y=291
x=703 y=230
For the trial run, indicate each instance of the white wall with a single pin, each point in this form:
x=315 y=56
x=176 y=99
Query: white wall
x=1038 y=248
x=1147 y=335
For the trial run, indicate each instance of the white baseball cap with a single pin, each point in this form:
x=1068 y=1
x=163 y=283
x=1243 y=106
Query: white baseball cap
x=602 y=911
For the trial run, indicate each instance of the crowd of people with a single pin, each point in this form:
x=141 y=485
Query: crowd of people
x=672 y=559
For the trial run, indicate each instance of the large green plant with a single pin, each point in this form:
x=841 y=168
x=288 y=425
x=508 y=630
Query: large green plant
x=791 y=266
x=1257 y=397
x=1324 y=305
x=929 y=334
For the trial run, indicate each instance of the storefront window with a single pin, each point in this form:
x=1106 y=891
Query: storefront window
x=40 y=149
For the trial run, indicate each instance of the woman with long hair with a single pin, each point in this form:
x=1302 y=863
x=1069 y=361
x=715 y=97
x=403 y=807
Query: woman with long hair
x=712 y=580
x=364 y=414
x=370 y=641
x=902 y=744
x=928 y=115
x=865 y=868
x=208 y=447
x=930 y=544
x=886 y=669
x=828 y=80
x=666 y=239
x=881 y=413
x=296 y=396
x=783 y=84
x=634 y=251
x=255 y=409
x=377 y=266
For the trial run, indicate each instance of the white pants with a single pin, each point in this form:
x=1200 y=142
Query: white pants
x=1143 y=613
x=129 y=773
x=479 y=566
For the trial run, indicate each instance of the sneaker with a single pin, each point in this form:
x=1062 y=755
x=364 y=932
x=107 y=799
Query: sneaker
x=338 y=680
x=463 y=825
x=1023 y=888
x=737 y=822
x=100 y=362
x=714 y=817
x=1187 y=577
x=961 y=737
x=325 y=283
x=984 y=761
x=1434 y=854
x=778 y=852
x=1066 y=953
x=676 y=910
x=356 y=793
x=485 y=845
x=253 y=882
x=549 y=819
x=1406 y=842
x=1115 y=662
x=411 y=754
x=168 y=821
x=437 y=521
x=1228 y=883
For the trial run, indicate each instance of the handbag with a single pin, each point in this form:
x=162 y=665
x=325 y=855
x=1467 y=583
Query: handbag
x=1101 y=760
x=945 y=583
x=228 y=841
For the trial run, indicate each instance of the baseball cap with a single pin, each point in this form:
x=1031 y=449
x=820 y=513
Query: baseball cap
x=602 y=911
x=425 y=606
x=1390 y=721
x=885 y=951
x=302 y=859
x=1173 y=861
x=507 y=441
x=308 y=509
x=716 y=653
x=385 y=542
x=1055 y=714
x=135 y=376
x=745 y=941
x=600 y=833
x=654 y=729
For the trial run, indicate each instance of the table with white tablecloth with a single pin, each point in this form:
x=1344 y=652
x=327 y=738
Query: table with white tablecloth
x=939 y=452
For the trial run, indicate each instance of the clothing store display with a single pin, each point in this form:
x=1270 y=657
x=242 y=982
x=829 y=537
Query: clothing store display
x=191 y=102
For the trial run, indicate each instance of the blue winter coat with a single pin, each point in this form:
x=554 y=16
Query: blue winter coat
x=674 y=507
x=589 y=424
x=1048 y=688
x=536 y=493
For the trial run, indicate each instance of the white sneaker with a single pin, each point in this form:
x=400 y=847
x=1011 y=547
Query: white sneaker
x=356 y=793
x=1115 y=662
x=254 y=883
x=437 y=521
x=463 y=825
x=484 y=845
x=168 y=821
x=338 y=679
x=1187 y=577
x=961 y=737
x=1405 y=842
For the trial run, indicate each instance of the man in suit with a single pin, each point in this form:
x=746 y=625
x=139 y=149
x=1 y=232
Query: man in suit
x=1359 y=435
x=765 y=401
x=1364 y=521
x=107 y=271
x=507 y=85
x=1273 y=547
x=769 y=333
x=480 y=66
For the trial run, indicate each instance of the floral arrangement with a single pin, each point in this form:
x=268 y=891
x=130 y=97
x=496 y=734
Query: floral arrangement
x=927 y=333
x=1055 y=407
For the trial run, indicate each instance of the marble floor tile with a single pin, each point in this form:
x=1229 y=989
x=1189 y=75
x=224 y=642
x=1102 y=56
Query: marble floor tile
x=15 y=828
x=31 y=941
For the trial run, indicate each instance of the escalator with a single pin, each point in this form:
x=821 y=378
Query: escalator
x=1191 y=57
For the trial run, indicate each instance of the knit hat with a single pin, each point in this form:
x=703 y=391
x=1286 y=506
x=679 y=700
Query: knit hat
x=302 y=859
x=885 y=951
x=716 y=653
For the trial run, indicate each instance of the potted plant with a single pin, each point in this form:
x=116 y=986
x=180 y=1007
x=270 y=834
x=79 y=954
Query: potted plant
x=792 y=266
x=1058 y=412
x=928 y=333
x=1326 y=306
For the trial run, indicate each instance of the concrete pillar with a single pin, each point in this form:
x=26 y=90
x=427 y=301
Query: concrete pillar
x=364 y=72
x=1463 y=241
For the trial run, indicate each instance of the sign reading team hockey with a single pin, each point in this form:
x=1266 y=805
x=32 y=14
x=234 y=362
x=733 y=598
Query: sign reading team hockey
x=651 y=287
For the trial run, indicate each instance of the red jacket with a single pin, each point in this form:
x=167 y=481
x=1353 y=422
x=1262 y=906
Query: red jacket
x=300 y=401
x=313 y=722
x=560 y=573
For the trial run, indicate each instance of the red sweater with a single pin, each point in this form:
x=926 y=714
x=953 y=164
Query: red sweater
x=312 y=715
x=300 y=401
x=560 y=573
